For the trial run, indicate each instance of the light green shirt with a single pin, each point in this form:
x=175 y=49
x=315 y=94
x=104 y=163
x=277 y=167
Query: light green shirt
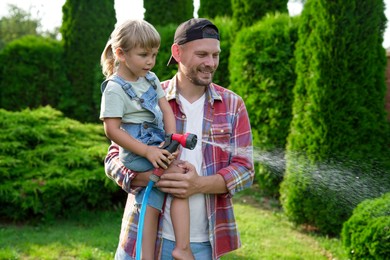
x=116 y=103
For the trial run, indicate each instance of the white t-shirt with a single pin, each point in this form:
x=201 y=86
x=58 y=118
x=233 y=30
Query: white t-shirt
x=198 y=220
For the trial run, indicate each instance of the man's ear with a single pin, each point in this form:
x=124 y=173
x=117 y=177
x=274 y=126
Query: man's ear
x=175 y=49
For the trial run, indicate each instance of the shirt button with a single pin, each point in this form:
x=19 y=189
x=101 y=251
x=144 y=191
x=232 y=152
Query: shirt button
x=222 y=131
x=145 y=126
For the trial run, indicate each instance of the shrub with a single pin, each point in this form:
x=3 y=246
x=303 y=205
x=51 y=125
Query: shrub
x=338 y=111
x=86 y=27
x=50 y=165
x=212 y=9
x=222 y=75
x=164 y=12
x=32 y=73
x=366 y=234
x=161 y=69
x=262 y=71
x=248 y=12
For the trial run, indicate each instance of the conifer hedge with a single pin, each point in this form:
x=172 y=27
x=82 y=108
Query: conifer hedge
x=212 y=9
x=247 y=12
x=161 y=69
x=32 y=73
x=338 y=111
x=262 y=71
x=51 y=165
x=164 y=12
x=225 y=28
x=86 y=27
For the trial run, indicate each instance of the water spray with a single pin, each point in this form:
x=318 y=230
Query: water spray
x=171 y=143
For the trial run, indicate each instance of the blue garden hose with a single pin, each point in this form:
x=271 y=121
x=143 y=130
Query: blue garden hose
x=141 y=222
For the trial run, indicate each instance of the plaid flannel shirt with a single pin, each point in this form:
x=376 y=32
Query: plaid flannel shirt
x=225 y=122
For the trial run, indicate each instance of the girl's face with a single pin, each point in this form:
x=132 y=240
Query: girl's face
x=136 y=62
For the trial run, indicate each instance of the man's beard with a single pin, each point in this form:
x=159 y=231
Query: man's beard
x=192 y=76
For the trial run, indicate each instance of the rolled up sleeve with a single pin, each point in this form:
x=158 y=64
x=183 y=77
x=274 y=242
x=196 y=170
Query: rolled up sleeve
x=116 y=171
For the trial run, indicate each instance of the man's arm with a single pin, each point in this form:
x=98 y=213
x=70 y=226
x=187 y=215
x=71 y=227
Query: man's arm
x=130 y=181
x=237 y=175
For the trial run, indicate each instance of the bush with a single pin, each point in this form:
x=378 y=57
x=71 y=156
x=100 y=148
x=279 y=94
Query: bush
x=86 y=27
x=161 y=69
x=262 y=71
x=32 y=73
x=164 y=12
x=50 y=165
x=366 y=235
x=248 y=12
x=224 y=25
x=212 y=9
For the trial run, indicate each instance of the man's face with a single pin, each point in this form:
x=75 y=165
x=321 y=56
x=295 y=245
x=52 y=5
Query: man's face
x=199 y=59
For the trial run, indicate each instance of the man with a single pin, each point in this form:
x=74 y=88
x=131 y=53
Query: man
x=212 y=174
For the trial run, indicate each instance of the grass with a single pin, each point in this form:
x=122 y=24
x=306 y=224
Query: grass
x=265 y=234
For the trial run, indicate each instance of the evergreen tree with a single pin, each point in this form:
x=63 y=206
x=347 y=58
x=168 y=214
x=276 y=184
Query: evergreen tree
x=86 y=26
x=339 y=119
x=247 y=12
x=163 y=12
x=262 y=71
x=212 y=9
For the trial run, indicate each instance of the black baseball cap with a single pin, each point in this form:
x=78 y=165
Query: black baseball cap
x=194 y=29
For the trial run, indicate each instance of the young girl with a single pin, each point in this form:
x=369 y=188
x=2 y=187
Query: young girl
x=136 y=116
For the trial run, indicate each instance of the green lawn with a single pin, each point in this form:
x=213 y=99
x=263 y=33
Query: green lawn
x=265 y=234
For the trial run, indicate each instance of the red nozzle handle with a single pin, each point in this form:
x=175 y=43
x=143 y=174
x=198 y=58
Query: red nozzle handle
x=171 y=143
x=186 y=140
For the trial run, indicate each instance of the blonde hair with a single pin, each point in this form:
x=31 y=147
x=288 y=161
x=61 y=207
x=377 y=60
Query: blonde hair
x=128 y=35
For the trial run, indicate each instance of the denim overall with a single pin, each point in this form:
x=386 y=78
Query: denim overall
x=150 y=133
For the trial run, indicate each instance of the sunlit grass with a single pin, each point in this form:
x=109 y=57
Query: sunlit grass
x=90 y=235
x=265 y=234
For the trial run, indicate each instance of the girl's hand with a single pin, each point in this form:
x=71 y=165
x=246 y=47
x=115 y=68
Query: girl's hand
x=158 y=157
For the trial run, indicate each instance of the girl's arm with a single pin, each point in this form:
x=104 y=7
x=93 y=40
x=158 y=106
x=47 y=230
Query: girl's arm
x=168 y=116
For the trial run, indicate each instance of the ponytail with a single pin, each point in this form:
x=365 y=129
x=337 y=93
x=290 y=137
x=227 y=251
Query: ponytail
x=107 y=60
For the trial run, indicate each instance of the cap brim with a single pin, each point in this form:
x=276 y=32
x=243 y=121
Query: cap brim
x=171 y=61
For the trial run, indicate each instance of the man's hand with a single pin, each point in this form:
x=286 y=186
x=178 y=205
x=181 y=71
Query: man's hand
x=180 y=179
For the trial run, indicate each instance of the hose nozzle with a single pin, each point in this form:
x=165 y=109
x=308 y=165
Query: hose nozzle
x=171 y=144
x=187 y=140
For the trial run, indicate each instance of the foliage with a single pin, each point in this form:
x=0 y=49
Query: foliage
x=222 y=74
x=164 y=12
x=247 y=12
x=366 y=235
x=161 y=69
x=16 y=24
x=32 y=73
x=212 y=9
x=338 y=110
x=86 y=26
x=262 y=71
x=50 y=165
